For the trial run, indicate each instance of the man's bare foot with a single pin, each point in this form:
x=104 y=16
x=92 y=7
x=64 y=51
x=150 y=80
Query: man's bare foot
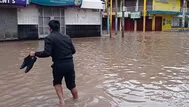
x=75 y=100
x=61 y=102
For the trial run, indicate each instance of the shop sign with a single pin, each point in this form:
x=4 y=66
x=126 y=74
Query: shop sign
x=58 y=2
x=14 y=2
x=119 y=14
x=135 y=15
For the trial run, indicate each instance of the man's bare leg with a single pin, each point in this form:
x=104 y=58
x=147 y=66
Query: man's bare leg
x=59 y=92
x=74 y=93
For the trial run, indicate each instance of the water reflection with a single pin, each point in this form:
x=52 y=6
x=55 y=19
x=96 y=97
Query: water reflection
x=139 y=70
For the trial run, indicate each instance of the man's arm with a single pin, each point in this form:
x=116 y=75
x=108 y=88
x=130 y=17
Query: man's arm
x=73 y=48
x=47 y=49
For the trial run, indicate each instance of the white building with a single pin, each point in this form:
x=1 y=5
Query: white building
x=78 y=18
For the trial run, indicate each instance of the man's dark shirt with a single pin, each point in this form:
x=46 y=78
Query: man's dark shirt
x=58 y=46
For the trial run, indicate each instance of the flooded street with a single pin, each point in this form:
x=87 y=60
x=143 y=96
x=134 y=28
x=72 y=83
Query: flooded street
x=139 y=70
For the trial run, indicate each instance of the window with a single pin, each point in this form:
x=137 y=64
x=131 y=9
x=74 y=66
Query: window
x=165 y=1
x=45 y=15
x=176 y=22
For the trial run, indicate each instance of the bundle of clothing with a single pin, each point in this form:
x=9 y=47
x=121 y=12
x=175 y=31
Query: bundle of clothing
x=29 y=61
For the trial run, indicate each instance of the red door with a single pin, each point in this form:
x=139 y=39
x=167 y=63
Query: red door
x=140 y=24
x=148 y=24
x=158 y=24
x=129 y=24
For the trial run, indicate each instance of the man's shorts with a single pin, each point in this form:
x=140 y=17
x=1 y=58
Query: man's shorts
x=66 y=70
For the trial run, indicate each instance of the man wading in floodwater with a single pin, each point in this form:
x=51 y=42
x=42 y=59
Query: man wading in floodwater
x=61 y=49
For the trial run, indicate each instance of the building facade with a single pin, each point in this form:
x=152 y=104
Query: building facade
x=78 y=18
x=165 y=14
x=162 y=15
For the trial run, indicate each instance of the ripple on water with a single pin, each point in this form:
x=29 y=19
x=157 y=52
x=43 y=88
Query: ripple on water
x=140 y=70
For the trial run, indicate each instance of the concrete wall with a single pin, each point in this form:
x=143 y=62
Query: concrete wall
x=82 y=22
x=172 y=5
x=77 y=16
x=28 y=22
x=166 y=22
x=28 y=15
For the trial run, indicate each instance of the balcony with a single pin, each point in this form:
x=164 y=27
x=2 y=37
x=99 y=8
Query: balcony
x=132 y=8
x=140 y=9
x=186 y=10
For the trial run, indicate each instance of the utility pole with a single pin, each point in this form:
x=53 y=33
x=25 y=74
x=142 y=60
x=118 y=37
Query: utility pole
x=123 y=17
x=108 y=16
x=144 y=16
x=136 y=9
x=111 y=18
x=184 y=13
x=116 y=20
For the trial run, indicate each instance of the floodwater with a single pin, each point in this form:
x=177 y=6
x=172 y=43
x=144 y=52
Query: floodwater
x=139 y=70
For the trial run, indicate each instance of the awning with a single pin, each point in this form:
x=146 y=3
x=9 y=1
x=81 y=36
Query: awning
x=187 y=13
x=58 y=2
x=162 y=12
x=93 y=4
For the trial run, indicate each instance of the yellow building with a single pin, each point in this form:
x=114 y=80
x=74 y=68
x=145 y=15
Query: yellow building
x=164 y=14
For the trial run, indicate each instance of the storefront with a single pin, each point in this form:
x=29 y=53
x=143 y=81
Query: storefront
x=34 y=19
x=164 y=14
x=8 y=19
x=50 y=13
x=77 y=18
x=84 y=21
x=162 y=20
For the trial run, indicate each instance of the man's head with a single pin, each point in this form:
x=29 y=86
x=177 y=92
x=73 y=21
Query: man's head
x=54 y=25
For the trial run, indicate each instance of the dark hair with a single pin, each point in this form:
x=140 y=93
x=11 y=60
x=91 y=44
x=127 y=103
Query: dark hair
x=54 y=25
